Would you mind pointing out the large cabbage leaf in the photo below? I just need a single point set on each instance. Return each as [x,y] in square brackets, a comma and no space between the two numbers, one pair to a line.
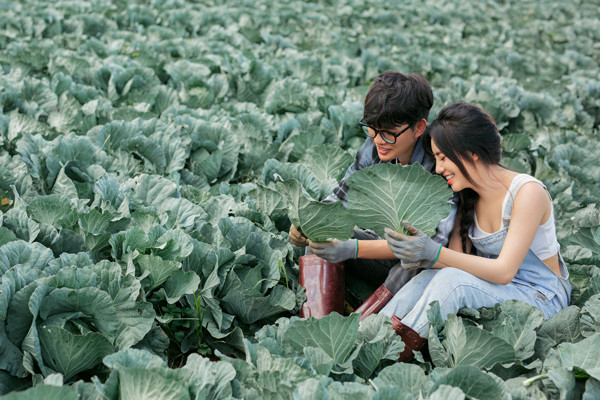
[318,221]
[326,161]
[384,195]
[334,334]
[582,356]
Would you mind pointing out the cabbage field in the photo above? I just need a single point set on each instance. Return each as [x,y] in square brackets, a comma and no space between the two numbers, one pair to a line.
[144,250]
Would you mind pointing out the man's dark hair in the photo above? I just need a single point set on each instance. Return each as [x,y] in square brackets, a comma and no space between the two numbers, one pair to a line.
[395,99]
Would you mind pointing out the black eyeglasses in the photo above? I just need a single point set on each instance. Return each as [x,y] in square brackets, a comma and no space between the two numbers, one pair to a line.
[387,136]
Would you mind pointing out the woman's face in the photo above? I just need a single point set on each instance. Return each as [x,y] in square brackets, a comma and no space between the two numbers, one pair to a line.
[449,170]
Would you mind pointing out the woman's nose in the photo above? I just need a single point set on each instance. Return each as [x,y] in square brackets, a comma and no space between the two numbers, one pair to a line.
[438,168]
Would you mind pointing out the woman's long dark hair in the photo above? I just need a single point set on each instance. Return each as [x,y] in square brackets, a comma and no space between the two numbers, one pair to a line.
[459,131]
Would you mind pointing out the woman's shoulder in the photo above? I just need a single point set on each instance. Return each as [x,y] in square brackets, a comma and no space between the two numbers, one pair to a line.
[526,191]
[520,180]
[530,191]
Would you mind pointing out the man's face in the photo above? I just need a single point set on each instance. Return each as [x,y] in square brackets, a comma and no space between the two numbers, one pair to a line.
[404,146]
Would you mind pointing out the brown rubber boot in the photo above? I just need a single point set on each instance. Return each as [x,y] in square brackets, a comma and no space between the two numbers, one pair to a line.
[325,285]
[412,340]
[375,302]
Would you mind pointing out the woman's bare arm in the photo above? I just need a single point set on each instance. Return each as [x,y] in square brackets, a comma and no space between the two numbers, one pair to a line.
[375,250]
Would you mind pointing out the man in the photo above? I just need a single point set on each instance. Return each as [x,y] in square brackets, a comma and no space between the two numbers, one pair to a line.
[394,119]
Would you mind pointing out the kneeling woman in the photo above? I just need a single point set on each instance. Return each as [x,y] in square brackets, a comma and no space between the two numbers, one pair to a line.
[504,242]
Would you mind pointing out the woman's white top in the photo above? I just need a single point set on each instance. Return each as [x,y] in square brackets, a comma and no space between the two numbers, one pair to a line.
[545,244]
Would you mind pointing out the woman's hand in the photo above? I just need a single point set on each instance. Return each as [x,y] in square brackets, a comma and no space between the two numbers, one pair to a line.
[413,249]
[335,250]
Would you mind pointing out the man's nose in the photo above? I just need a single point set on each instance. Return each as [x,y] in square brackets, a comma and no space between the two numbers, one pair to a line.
[378,139]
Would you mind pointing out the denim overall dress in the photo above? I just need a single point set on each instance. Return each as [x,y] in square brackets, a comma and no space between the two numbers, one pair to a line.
[534,283]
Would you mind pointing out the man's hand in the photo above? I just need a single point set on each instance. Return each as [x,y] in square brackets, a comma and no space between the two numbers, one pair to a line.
[297,237]
[335,250]
[412,249]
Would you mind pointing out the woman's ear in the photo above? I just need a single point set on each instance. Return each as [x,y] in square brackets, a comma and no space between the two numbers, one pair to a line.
[474,156]
[420,127]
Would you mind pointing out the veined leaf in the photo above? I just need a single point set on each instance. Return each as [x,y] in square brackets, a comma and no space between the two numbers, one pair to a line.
[46,392]
[409,378]
[318,221]
[133,358]
[514,142]
[274,169]
[94,303]
[64,186]
[590,316]
[156,270]
[288,94]
[19,222]
[326,161]
[141,383]
[445,392]
[473,346]
[564,326]
[152,189]
[267,200]
[179,284]
[583,356]
[20,123]
[302,142]
[384,195]
[6,235]
[518,327]
[53,210]
[173,245]
[588,238]
[321,362]
[475,383]
[244,299]
[68,353]
[333,333]
[214,377]
[19,252]
[94,222]
[378,346]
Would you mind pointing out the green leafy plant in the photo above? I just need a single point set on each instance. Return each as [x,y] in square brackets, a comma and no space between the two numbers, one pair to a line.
[318,221]
[140,143]
[384,195]
[380,196]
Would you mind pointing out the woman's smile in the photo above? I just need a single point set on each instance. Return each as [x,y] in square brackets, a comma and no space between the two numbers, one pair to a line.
[449,178]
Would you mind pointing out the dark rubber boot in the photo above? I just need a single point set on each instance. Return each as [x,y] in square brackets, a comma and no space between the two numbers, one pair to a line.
[375,302]
[324,283]
[412,340]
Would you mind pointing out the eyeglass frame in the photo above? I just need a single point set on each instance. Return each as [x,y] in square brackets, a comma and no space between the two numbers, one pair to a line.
[380,131]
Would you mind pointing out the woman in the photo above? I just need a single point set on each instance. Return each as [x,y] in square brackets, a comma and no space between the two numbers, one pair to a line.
[503,245]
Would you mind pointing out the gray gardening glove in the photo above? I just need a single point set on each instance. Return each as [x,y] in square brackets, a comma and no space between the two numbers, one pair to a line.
[412,249]
[398,277]
[422,264]
[335,250]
